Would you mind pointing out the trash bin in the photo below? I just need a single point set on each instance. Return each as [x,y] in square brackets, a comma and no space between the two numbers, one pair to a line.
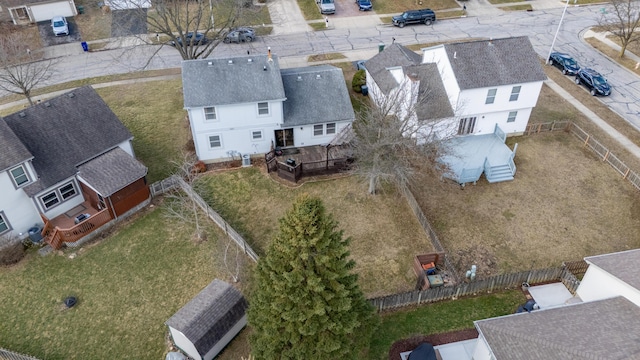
[80,9]
[365,90]
[85,46]
[380,47]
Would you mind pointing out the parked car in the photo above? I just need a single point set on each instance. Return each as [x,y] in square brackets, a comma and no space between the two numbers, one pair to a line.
[59,25]
[327,6]
[595,82]
[423,16]
[364,5]
[241,34]
[199,39]
[564,62]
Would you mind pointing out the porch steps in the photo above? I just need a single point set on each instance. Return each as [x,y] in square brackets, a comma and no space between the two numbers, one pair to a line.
[500,173]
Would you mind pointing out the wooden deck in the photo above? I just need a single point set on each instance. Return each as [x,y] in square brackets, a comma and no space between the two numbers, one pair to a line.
[67,220]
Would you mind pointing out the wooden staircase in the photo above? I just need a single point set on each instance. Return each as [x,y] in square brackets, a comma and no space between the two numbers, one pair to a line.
[499,173]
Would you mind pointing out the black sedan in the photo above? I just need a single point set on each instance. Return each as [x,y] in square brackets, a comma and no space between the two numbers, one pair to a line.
[564,62]
[191,38]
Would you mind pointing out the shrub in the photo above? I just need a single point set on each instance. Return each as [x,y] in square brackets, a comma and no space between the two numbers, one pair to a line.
[11,250]
[359,79]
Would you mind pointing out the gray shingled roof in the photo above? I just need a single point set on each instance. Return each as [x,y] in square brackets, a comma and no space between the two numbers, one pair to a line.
[623,265]
[13,150]
[66,131]
[223,83]
[434,103]
[394,55]
[209,315]
[496,62]
[111,171]
[315,94]
[605,329]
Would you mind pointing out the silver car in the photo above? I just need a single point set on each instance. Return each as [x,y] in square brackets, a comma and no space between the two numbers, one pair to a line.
[60,26]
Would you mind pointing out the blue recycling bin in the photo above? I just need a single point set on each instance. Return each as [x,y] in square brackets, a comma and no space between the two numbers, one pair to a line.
[85,46]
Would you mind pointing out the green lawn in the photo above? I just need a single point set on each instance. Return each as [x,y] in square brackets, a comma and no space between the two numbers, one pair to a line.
[128,285]
[310,10]
[439,318]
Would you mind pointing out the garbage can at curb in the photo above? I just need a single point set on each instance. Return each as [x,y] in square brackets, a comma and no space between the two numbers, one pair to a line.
[80,9]
[85,46]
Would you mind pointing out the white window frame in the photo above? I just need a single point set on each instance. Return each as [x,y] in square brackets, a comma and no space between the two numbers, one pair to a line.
[515,93]
[261,108]
[4,222]
[59,196]
[318,130]
[330,128]
[210,110]
[257,132]
[65,196]
[491,96]
[512,116]
[219,141]
[24,172]
[56,196]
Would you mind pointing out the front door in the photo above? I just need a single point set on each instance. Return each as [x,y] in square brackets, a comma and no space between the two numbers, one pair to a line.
[284,137]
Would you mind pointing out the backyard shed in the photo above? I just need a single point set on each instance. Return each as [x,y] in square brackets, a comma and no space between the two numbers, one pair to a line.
[207,323]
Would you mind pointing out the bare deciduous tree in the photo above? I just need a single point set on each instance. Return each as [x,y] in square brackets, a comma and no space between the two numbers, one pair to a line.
[622,21]
[231,256]
[21,71]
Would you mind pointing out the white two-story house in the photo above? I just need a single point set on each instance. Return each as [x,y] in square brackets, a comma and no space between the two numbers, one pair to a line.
[247,105]
[486,87]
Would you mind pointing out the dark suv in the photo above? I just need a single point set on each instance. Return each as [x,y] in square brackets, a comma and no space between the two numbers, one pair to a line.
[424,16]
[595,82]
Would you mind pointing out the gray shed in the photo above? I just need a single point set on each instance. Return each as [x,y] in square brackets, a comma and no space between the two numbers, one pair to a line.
[207,323]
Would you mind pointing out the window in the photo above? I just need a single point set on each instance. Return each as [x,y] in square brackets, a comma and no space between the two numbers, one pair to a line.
[210,114]
[512,116]
[263,108]
[215,141]
[466,126]
[326,129]
[50,200]
[318,130]
[19,176]
[331,128]
[256,135]
[491,96]
[4,224]
[515,92]
[67,191]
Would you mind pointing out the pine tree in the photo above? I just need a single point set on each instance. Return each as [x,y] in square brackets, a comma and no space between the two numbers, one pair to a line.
[307,303]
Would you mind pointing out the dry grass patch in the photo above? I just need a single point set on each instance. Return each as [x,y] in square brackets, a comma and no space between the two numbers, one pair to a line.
[94,24]
[325,57]
[385,234]
[614,54]
[398,6]
[522,7]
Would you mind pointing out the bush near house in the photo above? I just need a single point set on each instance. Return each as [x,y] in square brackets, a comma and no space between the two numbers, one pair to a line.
[359,79]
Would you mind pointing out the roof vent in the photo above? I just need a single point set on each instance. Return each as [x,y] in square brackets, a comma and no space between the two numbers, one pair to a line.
[47,104]
[71,95]
[455,54]
[210,63]
[318,76]
[22,114]
[249,60]
[230,62]
[299,78]
[264,68]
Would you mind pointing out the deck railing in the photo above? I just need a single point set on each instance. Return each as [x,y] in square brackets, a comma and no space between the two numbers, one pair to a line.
[55,236]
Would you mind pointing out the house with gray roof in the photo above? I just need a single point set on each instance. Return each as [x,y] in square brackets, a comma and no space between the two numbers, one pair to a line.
[484,88]
[247,105]
[609,275]
[208,322]
[22,12]
[65,157]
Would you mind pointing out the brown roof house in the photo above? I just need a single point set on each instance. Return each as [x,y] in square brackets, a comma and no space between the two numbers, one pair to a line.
[66,169]
[207,323]
[22,12]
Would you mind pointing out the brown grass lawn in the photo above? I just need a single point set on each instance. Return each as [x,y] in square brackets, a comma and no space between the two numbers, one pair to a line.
[398,6]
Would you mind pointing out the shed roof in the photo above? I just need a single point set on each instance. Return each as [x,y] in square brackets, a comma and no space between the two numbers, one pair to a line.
[111,171]
[623,265]
[237,80]
[315,94]
[393,56]
[605,329]
[496,62]
[66,131]
[209,315]
[13,150]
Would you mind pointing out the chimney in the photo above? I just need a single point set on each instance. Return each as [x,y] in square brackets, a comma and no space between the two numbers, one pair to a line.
[269,58]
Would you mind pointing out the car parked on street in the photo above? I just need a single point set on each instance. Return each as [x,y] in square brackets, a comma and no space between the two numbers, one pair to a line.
[564,62]
[241,34]
[60,26]
[423,16]
[594,81]
[364,5]
[197,38]
[327,7]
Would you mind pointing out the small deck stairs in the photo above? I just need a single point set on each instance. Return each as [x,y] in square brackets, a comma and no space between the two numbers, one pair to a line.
[500,173]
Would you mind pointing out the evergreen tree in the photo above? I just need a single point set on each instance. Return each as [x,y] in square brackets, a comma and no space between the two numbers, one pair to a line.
[307,303]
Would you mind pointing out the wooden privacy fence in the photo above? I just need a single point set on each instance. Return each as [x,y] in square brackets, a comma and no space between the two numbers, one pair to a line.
[494,283]
[10,355]
[174,181]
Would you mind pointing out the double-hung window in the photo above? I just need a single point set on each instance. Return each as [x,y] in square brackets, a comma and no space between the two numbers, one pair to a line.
[19,175]
[515,93]
[256,135]
[50,200]
[210,114]
[263,108]
[324,129]
[491,96]
[215,141]
[318,130]
[512,116]
[4,224]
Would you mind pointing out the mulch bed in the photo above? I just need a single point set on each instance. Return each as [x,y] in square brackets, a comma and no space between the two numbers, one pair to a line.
[409,344]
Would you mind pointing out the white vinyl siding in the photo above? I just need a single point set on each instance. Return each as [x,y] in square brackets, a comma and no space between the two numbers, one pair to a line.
[4,224]
[19,176]
[491,96]
[512,116]
[215,141]
[210,114]
[263,108]
[515,93]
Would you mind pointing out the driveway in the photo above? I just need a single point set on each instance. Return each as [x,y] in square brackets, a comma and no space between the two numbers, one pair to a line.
[349,8]
[128,22]
[48,39]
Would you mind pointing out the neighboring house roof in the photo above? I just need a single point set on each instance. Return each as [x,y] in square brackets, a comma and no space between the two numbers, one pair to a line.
[245,79]
[485,63]
[111,171]
[433,101]
[209,315]
[315,94]
[393,56]
[12,3]
[64,132]
[605,329]
[13,150]
[623,265]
